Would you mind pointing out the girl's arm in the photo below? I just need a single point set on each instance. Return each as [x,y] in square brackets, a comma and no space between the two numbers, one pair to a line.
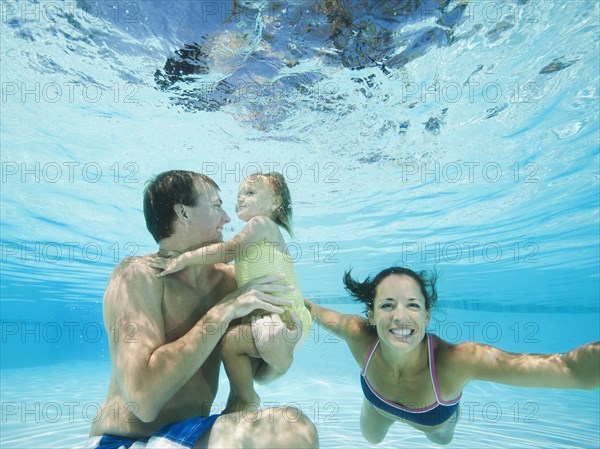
[256,229]
[579,368]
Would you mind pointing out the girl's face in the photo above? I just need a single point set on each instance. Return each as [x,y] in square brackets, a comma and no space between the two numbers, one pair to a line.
[399,312]
[255,198]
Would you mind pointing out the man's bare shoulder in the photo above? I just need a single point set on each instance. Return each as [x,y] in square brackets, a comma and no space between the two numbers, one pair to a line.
[134,281]
[135,268]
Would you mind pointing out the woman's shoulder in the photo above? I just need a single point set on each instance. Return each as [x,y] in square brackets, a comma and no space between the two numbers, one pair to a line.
[448,369]
[360,328]
[455,350]
[447,351]
[361,337]
[455,363]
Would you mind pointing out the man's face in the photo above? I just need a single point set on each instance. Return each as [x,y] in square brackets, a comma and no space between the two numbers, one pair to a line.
[207,218]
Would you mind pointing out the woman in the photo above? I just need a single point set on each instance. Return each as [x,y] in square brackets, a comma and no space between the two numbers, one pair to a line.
[410,376]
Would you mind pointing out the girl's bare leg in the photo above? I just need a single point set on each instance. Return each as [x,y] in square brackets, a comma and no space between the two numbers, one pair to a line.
[238,349]
[275,343]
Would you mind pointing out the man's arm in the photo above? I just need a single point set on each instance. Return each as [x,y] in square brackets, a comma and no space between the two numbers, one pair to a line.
[149,370]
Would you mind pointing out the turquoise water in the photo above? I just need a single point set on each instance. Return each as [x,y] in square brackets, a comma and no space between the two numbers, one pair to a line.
[52,406]
[461,139]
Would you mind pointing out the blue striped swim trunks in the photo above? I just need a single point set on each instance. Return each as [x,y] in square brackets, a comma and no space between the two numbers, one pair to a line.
[179,435]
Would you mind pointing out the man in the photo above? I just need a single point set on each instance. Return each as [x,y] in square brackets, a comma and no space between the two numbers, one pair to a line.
[164,336]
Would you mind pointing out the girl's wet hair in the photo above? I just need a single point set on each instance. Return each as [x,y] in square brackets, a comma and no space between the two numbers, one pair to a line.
[365,291]
[283,214]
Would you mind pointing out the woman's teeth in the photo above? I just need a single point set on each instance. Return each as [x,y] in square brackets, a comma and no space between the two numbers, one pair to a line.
[402,332]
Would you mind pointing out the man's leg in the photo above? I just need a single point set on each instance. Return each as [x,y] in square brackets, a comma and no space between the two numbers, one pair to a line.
[283,427]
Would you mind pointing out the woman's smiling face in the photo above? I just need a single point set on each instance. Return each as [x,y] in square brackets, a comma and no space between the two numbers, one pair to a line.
[399,312]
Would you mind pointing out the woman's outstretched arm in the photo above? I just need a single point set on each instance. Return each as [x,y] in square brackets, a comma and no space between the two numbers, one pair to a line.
[579,368]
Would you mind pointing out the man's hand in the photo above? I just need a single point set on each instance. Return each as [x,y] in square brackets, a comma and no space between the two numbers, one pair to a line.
[256,295]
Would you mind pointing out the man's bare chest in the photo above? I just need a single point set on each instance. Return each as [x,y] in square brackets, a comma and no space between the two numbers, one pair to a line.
[182,308]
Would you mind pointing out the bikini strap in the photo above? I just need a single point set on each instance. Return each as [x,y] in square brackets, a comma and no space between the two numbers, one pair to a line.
[369,355]
[432,374]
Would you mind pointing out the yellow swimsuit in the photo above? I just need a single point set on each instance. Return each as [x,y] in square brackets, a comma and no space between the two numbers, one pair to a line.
[260,259]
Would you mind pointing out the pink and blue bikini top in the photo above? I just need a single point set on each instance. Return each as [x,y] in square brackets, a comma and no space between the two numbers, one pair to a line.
[437,413]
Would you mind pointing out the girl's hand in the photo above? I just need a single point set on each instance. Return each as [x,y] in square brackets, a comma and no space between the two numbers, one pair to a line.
[171,264]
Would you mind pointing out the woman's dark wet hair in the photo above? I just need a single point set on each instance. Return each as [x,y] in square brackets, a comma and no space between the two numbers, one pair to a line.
[166,190]
[365,291]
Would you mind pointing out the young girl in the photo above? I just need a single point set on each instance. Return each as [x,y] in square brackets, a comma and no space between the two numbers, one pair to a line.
[259,249]
[410,376]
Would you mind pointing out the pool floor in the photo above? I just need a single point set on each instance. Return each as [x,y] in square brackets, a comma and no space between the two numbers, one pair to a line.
[53,406]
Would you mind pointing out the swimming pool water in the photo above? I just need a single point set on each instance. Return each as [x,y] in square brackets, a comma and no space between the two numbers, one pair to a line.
[52,406]
[461,140]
